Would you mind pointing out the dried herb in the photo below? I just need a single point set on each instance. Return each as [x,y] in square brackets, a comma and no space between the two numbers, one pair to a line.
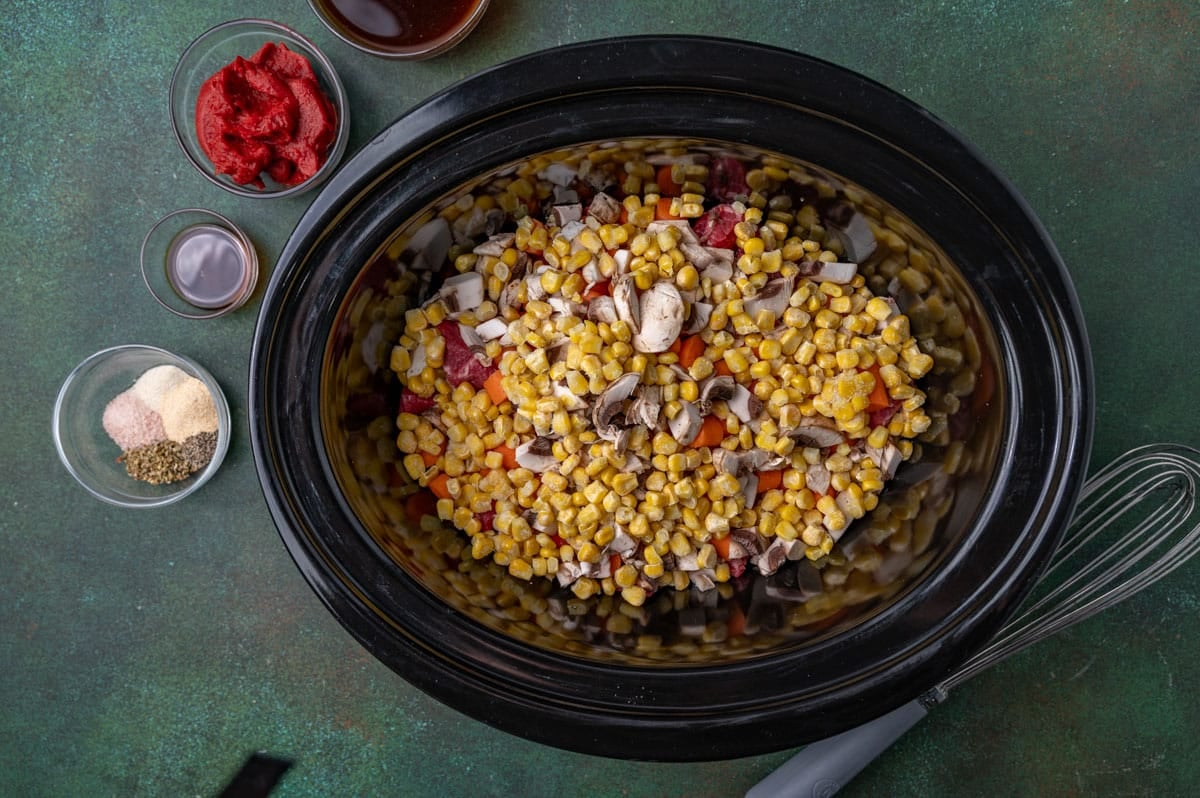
[158,463]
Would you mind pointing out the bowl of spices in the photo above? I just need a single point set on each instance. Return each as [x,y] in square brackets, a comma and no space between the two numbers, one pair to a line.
[198,264]
[403,30]
[258,109]
[139,426]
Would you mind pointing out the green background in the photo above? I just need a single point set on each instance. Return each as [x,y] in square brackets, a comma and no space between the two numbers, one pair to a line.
[149,652]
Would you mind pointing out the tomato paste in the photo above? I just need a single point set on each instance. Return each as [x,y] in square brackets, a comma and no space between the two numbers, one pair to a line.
[266,114]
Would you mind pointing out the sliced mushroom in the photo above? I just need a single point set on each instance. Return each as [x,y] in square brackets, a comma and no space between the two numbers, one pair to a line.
[748,539]
[888,459]
[857,239]
[749,485]
[417,365]
[744,404]
[774,296]
[661,312]
[698,318]
[623,543]
[492,329]
[720,266]
[604,208]
[569,400]
[536,455]
[726,462]
[495,245]
[462,292]
[602,309]
[571,231]
[608,406]
[648,406]
[686,425]
[715,389]
[621,260]
[625,300]
[816,478]
[835,272]
[774,556]
[560,215]
[703,580]
[559,173]
[429,246]
[814,434]
[568,572]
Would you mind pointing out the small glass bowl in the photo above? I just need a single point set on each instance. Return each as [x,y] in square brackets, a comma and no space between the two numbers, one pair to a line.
[417,52]
[156,269]
[213,50]
[86,449]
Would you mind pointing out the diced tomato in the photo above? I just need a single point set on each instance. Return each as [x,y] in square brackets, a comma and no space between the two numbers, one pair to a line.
[727,179]
[460,363]
[485,519]
[715,227]
[411,403]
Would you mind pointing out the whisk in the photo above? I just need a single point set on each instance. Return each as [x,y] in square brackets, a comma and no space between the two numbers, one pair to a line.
[1135,522]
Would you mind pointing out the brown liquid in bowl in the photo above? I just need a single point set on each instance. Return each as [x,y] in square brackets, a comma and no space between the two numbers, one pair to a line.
[397,24]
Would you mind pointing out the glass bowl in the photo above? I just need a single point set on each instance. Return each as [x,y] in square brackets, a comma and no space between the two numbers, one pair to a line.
[213,50]
[88,452]
[192,229]
[344,23]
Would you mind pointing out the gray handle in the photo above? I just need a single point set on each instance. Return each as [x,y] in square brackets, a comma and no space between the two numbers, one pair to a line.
[823,768]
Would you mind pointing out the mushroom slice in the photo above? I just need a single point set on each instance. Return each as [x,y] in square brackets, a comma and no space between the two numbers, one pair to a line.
[888,459]
[774,296]
[495,245]
[748,539]
[686,425]
[648,406]
[720,266]
[462,292]
[816,478]
[559,173]
[623,543]
[715,389]
[608,406]
[701,312]
[562,214]
[744,404]
[491,329]
[835,272]
[568,572]
[604,208]
[703,580]
[602,309]
[749,485]
[775,555]
[621,259]
[661,318]
[429,246]
[417,365]
[536,455]
[625,300]
[815,435]
[726,462]
[857,239]
[569,400]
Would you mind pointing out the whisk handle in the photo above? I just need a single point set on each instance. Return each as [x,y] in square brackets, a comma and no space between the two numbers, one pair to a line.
[823,768]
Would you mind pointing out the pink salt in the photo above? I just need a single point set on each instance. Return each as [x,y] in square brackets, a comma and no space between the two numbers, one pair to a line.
[131,423]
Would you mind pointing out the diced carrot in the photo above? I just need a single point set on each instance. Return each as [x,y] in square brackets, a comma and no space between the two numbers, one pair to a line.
[662,209]
[675,346]
[429,459]
[722,368]
[599,289]
[879,398]
[721,544]
[493,388]
[692,348]
[623,218]
[438,486]
[509,455]
[769,480]
[735,625]
[666,186]
[712,432]
[614,562]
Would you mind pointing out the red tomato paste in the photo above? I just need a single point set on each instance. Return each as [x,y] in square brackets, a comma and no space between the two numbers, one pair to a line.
[266,114]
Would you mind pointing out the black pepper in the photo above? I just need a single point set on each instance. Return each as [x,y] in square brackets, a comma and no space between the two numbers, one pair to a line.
[198,449]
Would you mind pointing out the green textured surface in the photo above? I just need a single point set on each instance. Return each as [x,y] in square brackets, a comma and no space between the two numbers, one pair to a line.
[147,653]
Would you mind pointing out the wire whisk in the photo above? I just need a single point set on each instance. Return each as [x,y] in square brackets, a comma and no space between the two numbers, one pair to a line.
[1136,521]
[1146,498]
